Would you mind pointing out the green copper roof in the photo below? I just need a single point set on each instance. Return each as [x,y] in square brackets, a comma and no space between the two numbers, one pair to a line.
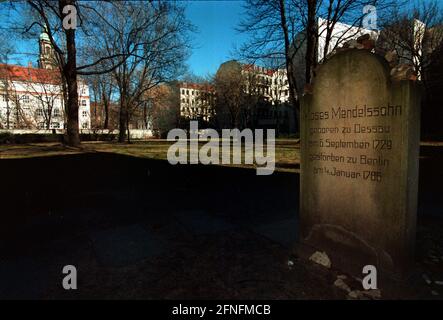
[44,36]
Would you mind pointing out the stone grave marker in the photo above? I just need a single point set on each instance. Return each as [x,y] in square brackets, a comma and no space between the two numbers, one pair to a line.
[359,165]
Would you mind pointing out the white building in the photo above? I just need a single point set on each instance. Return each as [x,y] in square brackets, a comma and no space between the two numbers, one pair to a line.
[341,33]
[273,87]
[271,84]
[196,101]
[32,98]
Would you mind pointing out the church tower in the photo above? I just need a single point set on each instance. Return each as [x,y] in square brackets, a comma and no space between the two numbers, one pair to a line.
[47,58]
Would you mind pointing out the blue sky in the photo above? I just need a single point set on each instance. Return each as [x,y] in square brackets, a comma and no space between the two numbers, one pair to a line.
[213,42]
[216,35]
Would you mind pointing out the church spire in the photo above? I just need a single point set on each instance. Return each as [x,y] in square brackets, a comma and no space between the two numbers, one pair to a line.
[47,54]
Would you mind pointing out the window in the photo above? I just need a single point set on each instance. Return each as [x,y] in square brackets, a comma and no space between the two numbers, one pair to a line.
[84,103]
[39,112]
[55,125]
[183,100]
[187,92]
[84,125]
[56,112]
[84,113]
[25,99]
[4,98]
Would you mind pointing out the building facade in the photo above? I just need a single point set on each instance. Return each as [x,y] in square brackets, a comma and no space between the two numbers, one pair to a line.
[341,33]
[196,101]
[273,108]
[32,98]
[272,84]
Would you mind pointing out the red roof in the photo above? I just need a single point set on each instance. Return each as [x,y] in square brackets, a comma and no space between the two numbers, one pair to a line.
[253,67]
[19,73]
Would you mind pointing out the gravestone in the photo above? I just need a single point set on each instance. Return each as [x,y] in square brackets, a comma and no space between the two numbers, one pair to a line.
[359,165]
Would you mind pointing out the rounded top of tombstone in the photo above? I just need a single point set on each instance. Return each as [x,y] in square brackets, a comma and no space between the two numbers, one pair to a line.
[351,67]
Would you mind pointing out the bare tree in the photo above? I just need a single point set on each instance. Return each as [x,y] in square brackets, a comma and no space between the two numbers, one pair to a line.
[49,15]
[46,98]
[164,108]
[103,90]
[7,93]
[161,38]
[273,27]
[6,49]
[414,34]
[278,29]
[16,102]
[230,88]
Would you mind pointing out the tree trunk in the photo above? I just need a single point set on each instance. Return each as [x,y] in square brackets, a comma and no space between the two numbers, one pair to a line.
[289,64]
[145,115]
[128,134]
[122,121]
[70,71]
[106,99]
[311,38]
[17,119]
[8,112]
[106,121]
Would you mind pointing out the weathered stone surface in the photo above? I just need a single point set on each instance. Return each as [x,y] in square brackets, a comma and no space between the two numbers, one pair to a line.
[355,295]
[339,283]
[352,44]
[392,58]
[362,42]
[321,258]
[364,38]
[359,164]
[403,72]
[364,295]
[368,44]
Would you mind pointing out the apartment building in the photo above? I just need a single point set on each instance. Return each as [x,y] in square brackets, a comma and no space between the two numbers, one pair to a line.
[32,98]
[196,101]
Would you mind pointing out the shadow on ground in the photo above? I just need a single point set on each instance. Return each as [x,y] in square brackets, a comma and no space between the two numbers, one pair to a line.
[138,228]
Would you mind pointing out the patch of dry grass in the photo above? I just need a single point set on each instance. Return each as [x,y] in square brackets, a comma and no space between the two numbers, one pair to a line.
[32,150]
[287,152]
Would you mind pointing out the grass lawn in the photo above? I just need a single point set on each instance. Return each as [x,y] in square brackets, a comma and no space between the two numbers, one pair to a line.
[287,151]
